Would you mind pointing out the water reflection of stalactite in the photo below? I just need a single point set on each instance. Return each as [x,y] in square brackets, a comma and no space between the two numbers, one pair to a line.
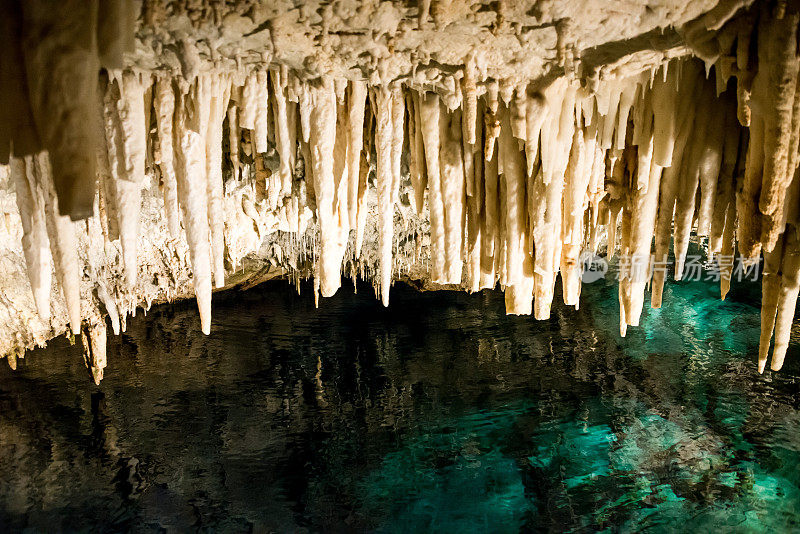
[319,386]
[128,481]
[300,400]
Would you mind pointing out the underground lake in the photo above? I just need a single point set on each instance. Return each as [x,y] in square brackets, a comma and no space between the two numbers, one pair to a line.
[440,413]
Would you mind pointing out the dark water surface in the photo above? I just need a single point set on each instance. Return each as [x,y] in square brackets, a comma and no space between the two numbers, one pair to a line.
[438,414]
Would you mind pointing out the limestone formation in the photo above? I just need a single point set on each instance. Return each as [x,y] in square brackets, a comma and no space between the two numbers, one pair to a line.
[207,135]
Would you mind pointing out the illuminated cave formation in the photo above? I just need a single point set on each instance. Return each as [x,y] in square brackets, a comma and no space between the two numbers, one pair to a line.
[157,150]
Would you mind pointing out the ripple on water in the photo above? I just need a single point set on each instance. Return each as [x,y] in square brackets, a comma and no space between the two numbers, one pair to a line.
[439,413]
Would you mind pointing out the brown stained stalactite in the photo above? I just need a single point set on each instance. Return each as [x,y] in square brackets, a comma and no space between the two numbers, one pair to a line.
[59,46]
[747,192]
[18,133]
[234,133]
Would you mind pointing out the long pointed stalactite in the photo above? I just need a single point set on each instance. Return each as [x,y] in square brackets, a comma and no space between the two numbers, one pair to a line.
[515,179]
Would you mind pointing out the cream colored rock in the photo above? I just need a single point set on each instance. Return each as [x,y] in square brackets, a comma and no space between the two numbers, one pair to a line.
[532,135]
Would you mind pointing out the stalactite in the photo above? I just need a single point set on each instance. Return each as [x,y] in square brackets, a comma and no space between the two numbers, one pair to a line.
[217,89]
[125,135]
[61,60]
[61,233]
[110,305]
[491,220]
[322,140]
[522,176]
[234,134]
[626,99]
[282,139]
[770,293]
[430,118]
[725,186]
[94,348]
[473,170]
[398,115]
[249,104]
[128,205]
[786,298]
[519,110]
[612,96]
[779,62]
[626,223]
[576,182]
[131,108]
[258,101]
[417,165]
[534,117]
[382,101]
[556,142]
[710,164]
[643,206]
[691,169]
[193,196]
[470,97]
[451,175]
[363,173]
[164,104]
[113,148]
[689,75]
[492,129]
[356,101]
[665,95]
[341,180]
[35,244]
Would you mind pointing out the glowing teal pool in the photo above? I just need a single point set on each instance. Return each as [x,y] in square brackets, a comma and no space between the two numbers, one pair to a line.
[439,414]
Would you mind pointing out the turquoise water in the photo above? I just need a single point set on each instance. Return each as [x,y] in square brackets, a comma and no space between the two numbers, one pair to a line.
[439,414]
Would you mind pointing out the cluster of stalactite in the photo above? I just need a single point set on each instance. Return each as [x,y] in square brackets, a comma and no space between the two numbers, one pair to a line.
[759,49]
[517,179]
